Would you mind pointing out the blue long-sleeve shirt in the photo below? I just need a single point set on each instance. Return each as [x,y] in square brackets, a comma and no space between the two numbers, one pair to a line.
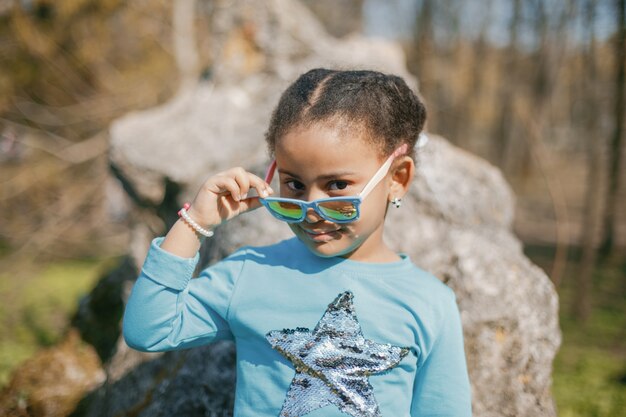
[314,336]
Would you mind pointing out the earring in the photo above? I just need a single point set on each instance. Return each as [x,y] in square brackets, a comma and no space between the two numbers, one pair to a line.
[396,202]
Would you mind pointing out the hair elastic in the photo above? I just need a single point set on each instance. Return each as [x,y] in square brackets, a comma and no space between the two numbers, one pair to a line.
[422,140]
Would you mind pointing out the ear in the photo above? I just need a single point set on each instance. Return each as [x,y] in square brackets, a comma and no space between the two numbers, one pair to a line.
[402,172]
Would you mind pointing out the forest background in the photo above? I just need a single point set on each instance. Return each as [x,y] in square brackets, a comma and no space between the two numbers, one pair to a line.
[536,87]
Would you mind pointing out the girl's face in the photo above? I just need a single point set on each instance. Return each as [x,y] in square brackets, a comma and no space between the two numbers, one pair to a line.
[322,161]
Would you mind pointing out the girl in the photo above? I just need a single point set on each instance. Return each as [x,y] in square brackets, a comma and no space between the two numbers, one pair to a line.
[331,322]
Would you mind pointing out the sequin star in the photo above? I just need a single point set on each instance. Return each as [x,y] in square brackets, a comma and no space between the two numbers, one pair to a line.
[333,363]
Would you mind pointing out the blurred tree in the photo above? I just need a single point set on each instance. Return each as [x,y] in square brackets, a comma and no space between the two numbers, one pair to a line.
[340,17]
[424,43]
[505,124]
[616,148]
[581,307]
[183,39]
[69,67]
[481,49]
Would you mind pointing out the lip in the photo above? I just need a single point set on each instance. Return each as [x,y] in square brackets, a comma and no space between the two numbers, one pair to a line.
[321,235]
[320,232]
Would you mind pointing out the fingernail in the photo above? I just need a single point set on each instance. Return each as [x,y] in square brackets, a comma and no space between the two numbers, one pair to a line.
[243,197]
[271,190]
[263,193]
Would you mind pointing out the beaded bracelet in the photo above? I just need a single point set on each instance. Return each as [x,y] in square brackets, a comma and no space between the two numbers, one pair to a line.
[191,222]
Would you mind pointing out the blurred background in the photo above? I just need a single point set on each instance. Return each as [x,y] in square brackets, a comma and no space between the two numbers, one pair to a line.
[536,87]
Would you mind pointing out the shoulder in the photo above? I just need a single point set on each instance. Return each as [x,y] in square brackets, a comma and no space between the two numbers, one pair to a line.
[277,253]
[243,261]
[430,298]
[434,305]
[283,249]
[428,286]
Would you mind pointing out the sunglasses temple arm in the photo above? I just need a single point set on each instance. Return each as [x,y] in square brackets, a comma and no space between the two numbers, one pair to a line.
[270,172]
[380,174]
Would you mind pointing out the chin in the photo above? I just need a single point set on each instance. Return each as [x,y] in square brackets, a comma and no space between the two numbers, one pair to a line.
[324,251]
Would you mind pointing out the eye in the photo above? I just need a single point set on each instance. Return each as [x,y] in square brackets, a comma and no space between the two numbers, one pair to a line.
[294,185]
[338,185]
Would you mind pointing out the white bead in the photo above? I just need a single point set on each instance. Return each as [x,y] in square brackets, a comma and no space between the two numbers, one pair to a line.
[195,226]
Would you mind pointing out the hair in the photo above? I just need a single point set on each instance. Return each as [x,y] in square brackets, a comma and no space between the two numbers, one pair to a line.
[380,106]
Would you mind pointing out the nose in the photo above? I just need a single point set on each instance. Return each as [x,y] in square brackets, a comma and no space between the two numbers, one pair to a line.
[312,216]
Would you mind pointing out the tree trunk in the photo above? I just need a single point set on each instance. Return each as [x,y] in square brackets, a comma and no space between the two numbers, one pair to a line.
[184,41]
[423,35]
[505,122]
[615,150]
[583,299]
[550,57]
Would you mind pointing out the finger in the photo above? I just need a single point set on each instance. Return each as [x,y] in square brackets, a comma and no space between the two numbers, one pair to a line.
[224,183]
[243,180]
[249,204]
[263,189]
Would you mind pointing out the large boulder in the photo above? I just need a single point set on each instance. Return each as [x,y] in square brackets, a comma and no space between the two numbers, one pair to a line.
[455,222]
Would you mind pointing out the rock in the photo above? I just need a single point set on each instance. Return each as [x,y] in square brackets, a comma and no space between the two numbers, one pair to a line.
[99,313]
[189,383]
[455,222]
[51,383]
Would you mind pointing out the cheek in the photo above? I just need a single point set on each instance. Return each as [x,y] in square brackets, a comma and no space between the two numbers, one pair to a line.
[371,217]
[373,208]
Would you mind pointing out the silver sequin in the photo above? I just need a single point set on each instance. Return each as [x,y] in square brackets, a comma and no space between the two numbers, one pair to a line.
[333,363]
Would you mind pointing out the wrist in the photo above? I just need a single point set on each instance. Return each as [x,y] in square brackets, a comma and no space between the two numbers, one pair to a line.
[189,220]
[189,229]
[203,221]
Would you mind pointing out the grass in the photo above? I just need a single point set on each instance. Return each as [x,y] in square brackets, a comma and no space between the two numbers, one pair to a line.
[36,304]
[590,368]
[586,383]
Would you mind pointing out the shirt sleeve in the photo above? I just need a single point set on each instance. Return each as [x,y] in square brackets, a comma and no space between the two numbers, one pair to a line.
[442,385]
[169,310]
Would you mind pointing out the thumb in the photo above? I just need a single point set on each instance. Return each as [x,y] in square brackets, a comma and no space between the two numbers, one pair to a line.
[249,204]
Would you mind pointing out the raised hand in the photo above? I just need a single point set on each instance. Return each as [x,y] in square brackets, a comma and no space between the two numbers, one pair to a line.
[221,197]
[225,195]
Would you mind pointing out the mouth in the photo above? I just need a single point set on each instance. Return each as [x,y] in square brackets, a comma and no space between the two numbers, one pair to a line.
[321,235]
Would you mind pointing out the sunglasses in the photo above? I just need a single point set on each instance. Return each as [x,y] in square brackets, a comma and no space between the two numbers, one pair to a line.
[334,209]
